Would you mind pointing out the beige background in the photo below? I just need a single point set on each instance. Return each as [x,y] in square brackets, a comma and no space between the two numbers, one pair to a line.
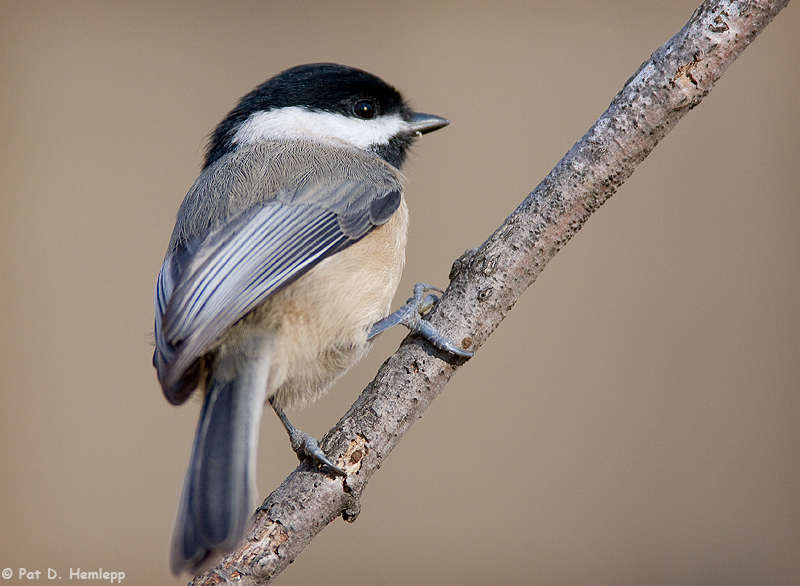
[636,419]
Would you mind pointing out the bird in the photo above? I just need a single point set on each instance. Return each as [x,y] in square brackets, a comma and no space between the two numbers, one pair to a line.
[280,271]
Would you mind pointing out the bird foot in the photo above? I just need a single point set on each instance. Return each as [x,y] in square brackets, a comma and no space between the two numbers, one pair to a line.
[410,315]
[303,444]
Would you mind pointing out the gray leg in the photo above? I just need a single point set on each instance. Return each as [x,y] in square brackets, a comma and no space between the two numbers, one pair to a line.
[303,444]
[409,316]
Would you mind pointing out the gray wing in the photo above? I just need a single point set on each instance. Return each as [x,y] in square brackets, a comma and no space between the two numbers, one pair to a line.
[210,282]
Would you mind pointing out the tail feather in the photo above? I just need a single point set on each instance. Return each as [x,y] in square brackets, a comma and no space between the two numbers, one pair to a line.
[219,490]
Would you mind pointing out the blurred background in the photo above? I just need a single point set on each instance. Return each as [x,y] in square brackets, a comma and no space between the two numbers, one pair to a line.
[635,420]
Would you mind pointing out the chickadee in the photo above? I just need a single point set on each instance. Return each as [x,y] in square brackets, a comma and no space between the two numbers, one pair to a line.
[286,251]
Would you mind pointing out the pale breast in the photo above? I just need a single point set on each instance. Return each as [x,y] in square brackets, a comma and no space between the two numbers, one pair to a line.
[323,318]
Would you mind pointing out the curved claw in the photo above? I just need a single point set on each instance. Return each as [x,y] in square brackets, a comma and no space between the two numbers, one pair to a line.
[303,444]
[442,342]
[428,303]
[409,316]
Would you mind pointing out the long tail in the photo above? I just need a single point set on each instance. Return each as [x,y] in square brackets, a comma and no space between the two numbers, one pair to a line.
[219,490]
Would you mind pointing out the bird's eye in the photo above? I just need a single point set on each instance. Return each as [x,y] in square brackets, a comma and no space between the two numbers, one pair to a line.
[365,109]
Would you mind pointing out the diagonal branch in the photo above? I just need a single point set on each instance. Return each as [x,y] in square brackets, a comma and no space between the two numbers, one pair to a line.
[486,283]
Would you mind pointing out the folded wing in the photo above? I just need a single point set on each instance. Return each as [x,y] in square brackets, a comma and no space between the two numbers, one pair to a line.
[211,281]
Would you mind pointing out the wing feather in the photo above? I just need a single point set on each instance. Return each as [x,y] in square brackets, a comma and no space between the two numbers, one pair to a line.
[213,277]
[248,261]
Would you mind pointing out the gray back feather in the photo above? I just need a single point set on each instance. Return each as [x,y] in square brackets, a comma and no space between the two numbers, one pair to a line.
[252,223]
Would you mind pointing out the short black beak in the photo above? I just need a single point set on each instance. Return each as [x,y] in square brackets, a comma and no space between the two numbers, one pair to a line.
[424,123]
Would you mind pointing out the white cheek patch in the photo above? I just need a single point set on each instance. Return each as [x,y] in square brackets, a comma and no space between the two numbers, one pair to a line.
[295,122]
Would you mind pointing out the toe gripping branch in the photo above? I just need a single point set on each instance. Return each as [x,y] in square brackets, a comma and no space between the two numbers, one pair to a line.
[410,315]
[303,444]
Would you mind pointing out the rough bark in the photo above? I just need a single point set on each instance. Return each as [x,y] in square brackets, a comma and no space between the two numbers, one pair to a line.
[485,283]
